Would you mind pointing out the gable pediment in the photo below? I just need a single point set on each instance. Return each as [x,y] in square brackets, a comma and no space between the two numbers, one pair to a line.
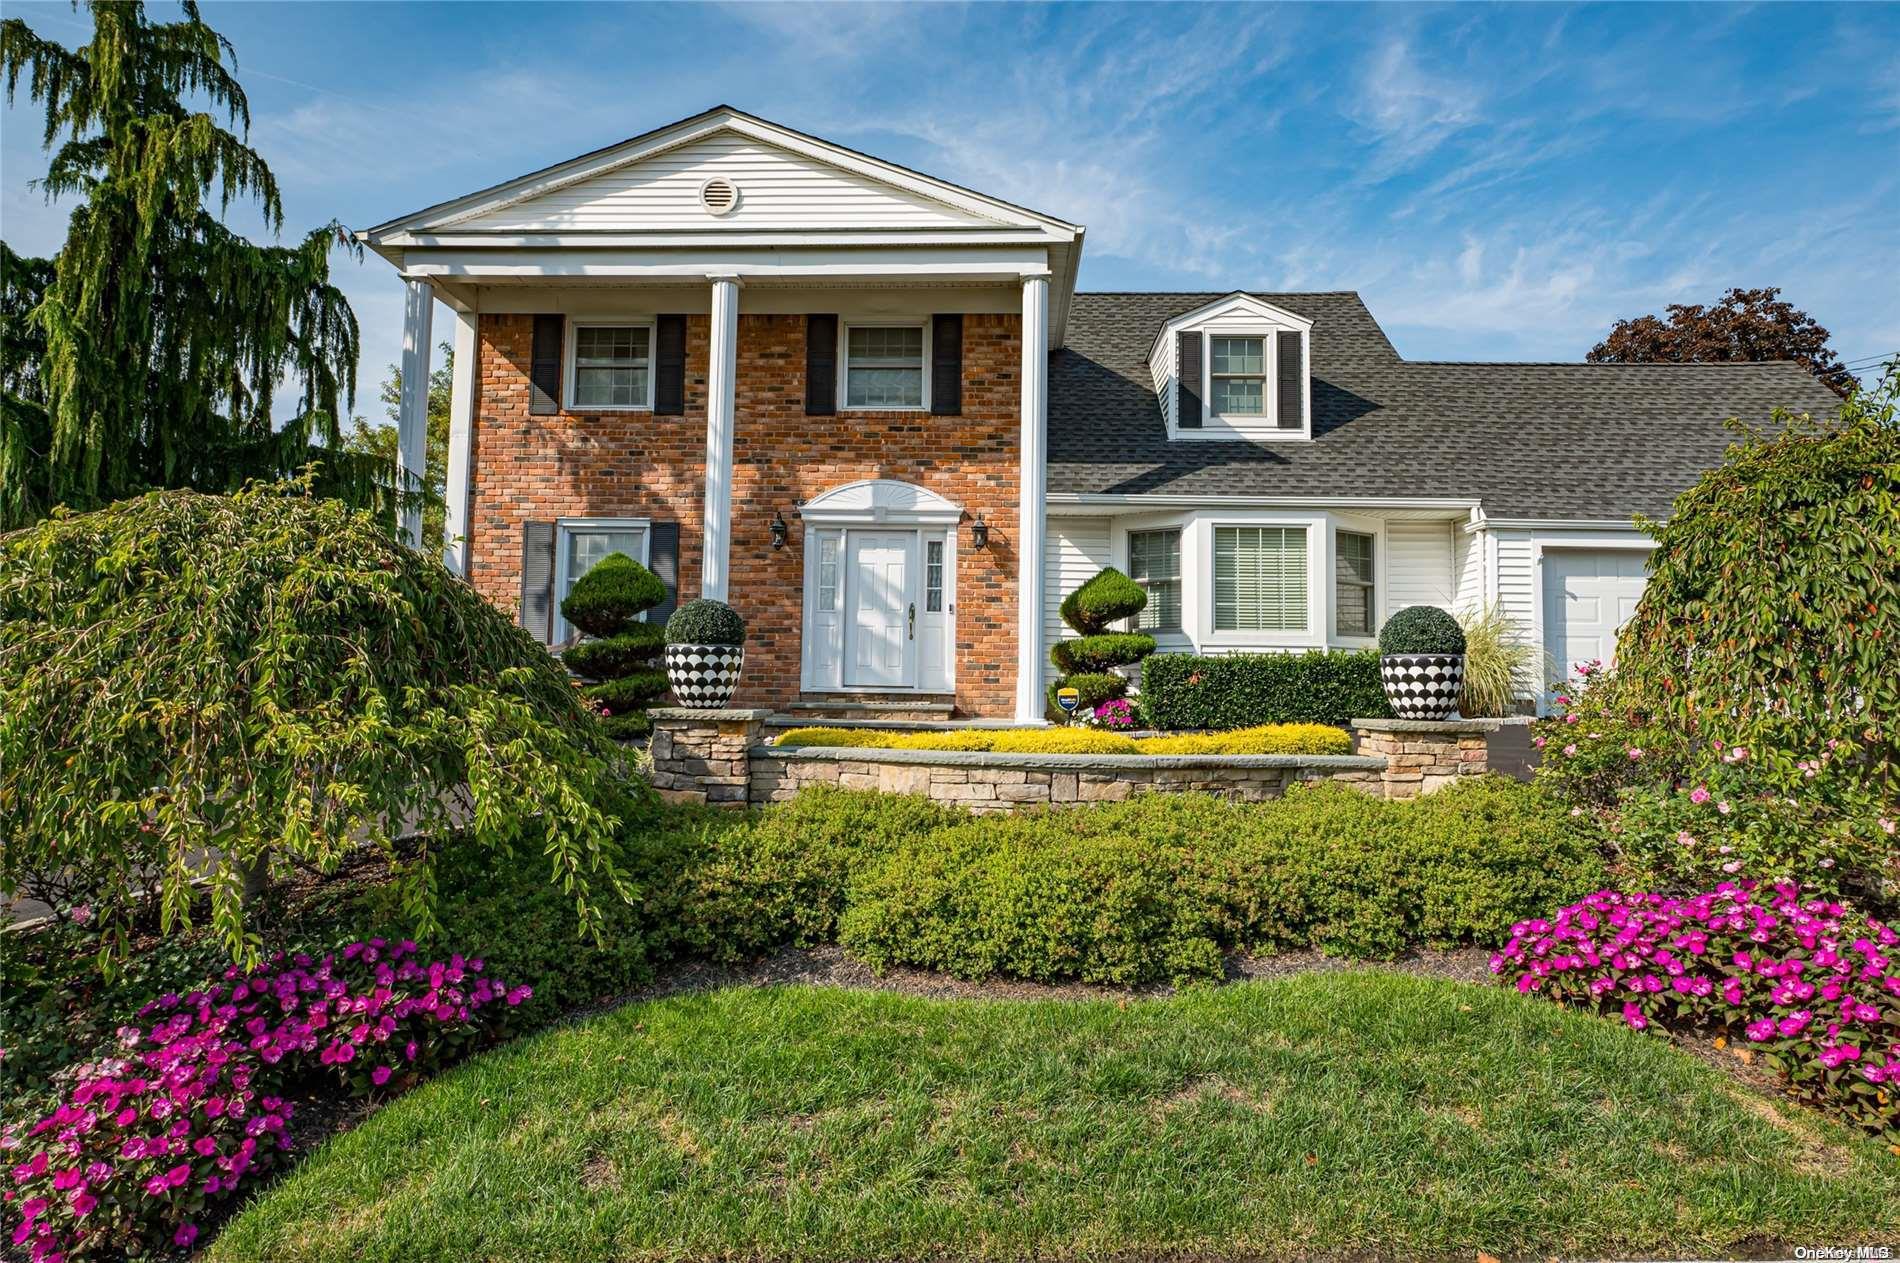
[772,188]
[762,177]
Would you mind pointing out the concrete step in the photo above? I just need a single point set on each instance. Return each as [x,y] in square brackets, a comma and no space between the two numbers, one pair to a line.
[925,709]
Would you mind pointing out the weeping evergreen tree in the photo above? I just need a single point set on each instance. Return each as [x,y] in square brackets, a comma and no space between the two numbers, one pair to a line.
[159,335]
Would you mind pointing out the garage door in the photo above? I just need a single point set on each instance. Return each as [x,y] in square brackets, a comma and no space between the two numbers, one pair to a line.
[1588,596]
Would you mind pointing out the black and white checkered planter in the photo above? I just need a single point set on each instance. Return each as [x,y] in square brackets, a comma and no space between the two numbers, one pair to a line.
[704,676]
[1422,685]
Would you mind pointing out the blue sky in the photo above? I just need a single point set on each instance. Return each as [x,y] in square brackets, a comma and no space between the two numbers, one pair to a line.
[1500,183]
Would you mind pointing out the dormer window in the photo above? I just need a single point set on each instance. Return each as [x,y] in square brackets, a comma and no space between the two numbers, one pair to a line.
[1239,371]
[1235,369]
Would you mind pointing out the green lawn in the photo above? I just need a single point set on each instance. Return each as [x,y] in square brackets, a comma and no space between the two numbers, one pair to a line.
[1330,1113]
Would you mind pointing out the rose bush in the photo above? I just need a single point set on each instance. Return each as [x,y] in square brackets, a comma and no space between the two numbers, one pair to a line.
[1812,988]
[1684,816]
[147,1141]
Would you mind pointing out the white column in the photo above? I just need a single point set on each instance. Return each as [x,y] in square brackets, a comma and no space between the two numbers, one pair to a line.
[1032,514]
[721,383]
[412,414]
[461,430]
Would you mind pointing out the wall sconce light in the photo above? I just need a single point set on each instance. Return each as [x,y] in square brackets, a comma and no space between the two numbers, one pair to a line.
[980,533]
[779,530]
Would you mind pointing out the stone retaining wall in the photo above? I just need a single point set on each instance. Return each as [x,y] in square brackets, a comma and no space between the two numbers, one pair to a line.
[720,757]
[986,782]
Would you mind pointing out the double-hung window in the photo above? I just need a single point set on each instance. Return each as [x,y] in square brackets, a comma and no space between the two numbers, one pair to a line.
[1237,370]
[1154,561]
[584,545]
[613,367]
[1352,579]
[884,366]
[1260,578]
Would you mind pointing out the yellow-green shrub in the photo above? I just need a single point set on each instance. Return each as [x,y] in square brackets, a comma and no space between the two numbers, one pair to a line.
[1265,739]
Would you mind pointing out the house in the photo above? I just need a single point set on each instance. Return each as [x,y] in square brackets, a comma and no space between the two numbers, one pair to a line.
[867,408]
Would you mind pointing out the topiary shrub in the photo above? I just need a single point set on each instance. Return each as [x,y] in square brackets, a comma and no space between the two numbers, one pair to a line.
[705,622]
[1095,654]
[1095,688]
[1086,662]
[1421,629]
[197,692]
[606,603]
[1187,691]
[1107,598]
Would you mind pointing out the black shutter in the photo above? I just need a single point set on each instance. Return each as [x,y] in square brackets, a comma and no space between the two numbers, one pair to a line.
[1187,378]
[544,374]
[663,559]
[946,366]
[1292,382]
[537,578]
[669,367]
[821,366]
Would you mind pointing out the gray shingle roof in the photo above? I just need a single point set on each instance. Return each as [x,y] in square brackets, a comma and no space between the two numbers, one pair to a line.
[1597,441]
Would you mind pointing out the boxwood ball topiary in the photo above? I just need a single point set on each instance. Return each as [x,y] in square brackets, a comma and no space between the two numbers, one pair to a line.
[1421,629]
[615,592]
[1109,596]
[705,622]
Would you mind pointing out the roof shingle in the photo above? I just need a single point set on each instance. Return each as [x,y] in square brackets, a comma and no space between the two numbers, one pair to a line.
[1546,441]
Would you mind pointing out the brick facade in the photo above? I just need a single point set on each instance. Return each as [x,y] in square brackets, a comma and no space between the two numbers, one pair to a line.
[636,464]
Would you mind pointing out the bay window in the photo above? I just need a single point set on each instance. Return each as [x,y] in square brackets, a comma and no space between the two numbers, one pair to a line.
[1260,578]
[1154,561]
[1352,579]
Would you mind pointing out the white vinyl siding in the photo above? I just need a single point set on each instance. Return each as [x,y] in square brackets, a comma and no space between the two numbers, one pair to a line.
[1467,568]
[1078,548]
[1418,568]
[1260,578]
[777,189]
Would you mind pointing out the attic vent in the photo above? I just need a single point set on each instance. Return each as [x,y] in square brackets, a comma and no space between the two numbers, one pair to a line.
[718,196]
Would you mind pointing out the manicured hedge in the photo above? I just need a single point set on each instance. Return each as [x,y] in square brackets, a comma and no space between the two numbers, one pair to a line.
[1161,887]
[1100,652]
[1187,691]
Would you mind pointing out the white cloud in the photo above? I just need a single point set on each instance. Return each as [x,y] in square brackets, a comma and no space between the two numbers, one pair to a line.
[1408,111]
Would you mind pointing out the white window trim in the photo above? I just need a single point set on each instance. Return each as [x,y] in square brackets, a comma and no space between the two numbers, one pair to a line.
[1269,394]
[1318,592]
[1162,635]
[564,528]
[1375,598]
[572,350]
[844,363]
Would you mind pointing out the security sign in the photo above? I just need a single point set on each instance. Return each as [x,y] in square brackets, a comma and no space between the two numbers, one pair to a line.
[1068,700]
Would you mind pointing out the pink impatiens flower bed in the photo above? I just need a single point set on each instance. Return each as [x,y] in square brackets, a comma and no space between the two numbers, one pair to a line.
[1814,990]
[195,1106]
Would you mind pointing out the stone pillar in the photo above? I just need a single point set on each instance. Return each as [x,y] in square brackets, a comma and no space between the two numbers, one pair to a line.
[1422,755]
[704,756]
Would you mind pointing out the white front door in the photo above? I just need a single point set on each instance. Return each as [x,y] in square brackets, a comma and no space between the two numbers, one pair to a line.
[1588,596]
[882,628]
